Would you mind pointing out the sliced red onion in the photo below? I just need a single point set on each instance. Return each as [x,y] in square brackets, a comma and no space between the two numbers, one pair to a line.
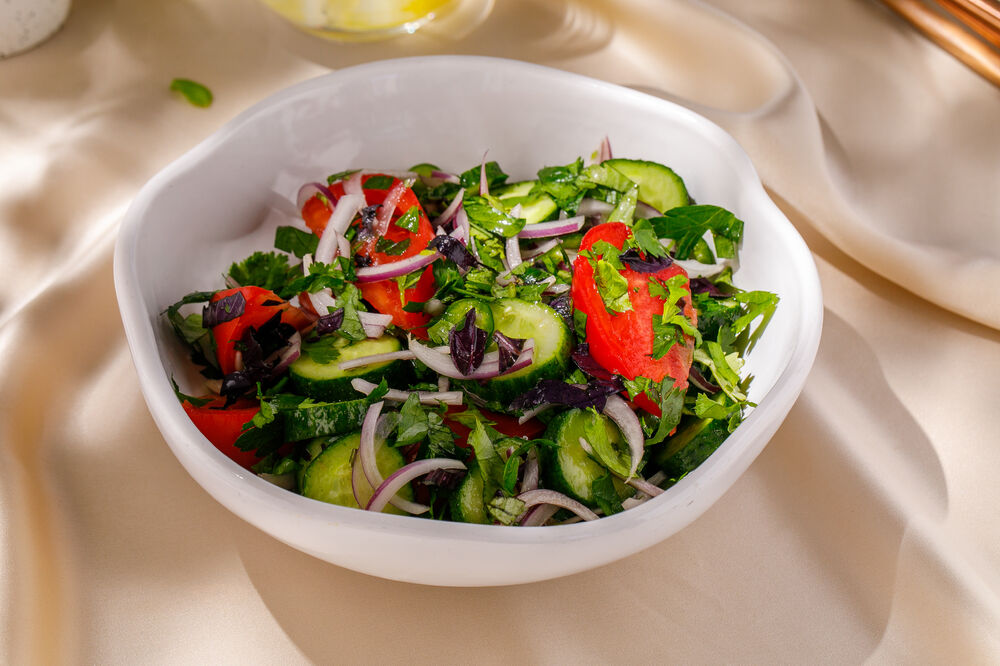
[289,354]
[445,176]
[604,152]
[490,367]
[401,175]
[644,486]
[539,249]
[618,411]
[353,184]
[232,283]
[484,186]
[555,228]
[530,479]
[366,451]
[533,497]
[443,384]
[513,252]
[451,211]
[374,323]
[462,222]
[533,412]
[309,190]
[425,397]
[387,490]
[658,478]
[396,268]
[384,216]
[632,502]
[323,302]
[339,221]
[538,515]
[362,361]
[589,207]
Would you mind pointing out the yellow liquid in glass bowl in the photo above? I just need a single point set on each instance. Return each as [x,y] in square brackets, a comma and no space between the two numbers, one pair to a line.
[358,19]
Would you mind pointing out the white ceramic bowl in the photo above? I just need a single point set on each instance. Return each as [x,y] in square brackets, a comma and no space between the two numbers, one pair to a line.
[222,200]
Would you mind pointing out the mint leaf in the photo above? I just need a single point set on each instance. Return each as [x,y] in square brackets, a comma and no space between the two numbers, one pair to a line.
[194,92]
[686,225]
[295,241]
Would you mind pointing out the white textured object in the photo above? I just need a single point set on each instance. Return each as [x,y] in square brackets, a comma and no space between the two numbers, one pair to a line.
[447,110]
[25,23]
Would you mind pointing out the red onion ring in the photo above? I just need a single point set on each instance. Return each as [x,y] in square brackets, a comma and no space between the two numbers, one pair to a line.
[309,190]
[538,515]
[533,497]
[387,490]
[353,184]
[374,323]
[540,249]
[484,186]
[555,228]
[448,214]
[426,397]
[489,368]
[366,452]
[644,486]
[392,198]
[530,479]
[362,361]
[513,252]
[604,151]
[618,411]
[589,207]
[396,268]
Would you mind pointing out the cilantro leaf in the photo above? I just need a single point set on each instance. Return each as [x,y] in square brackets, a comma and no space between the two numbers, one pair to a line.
[295,241]
[686,225]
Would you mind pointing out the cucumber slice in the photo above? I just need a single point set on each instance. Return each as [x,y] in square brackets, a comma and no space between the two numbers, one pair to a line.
[658,185]
[553,342]
[327,382]
[328,477]
[455,315]
[323,419]
[568,468]
[535,208]
[695,440]
[467,503]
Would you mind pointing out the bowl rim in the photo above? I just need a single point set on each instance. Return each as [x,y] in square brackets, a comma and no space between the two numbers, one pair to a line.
[179,431]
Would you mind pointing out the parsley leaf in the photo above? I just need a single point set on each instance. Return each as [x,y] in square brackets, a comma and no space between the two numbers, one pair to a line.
[645,238]
[686,225]
[295,241]
[612,286]
[268,270]
[410,220]
[671,407]
[193,92]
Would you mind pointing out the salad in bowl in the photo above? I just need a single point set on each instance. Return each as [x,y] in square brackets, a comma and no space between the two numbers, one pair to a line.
[469,347]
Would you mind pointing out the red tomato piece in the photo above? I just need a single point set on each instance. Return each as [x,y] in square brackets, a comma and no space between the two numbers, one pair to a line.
[506,425]
[261,305]
[222,427]
[622,343]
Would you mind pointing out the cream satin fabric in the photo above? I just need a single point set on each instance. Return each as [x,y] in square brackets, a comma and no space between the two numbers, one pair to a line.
[866,531]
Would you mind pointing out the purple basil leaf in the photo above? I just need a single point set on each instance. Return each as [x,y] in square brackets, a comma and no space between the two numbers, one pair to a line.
[329,323]
[632,259]
[700,285]
[699,380]
[509,349]
[453,250]
[223,310]
[552,391]
[255,347]
[564,308]
[448,479]
[368,215]
[587,363]
[468,344]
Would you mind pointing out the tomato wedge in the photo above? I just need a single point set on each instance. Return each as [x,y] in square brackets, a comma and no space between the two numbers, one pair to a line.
[384,295]
[222,427]
[622,343]
[261,305]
